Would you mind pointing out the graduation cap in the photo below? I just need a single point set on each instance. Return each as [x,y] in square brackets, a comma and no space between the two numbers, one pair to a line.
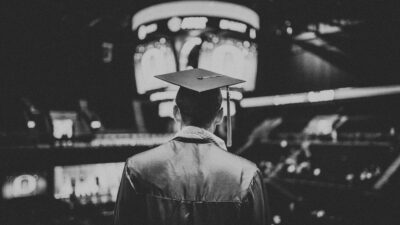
[200,80]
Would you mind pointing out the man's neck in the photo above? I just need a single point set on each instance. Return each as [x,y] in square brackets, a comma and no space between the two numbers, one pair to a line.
[210,129]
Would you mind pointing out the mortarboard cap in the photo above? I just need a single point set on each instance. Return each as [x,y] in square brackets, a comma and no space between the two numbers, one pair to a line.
[201,80]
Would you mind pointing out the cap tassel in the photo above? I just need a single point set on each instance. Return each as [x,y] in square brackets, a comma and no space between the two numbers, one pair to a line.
[229,121]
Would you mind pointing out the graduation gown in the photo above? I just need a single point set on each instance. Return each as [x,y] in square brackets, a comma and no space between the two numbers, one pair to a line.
[192,179]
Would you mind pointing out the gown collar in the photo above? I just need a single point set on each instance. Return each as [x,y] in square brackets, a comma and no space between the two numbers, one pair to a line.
[192,132]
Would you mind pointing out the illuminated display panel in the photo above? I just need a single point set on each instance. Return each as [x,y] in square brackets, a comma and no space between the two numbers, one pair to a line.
[24,185]
[150,59]
[187,23]
[231,57]
[63,123]
[95,183]
[199,8]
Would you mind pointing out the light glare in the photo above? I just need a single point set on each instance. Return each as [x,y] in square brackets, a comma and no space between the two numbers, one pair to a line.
[194,23]
[232,25]
[31,124]
[95,124]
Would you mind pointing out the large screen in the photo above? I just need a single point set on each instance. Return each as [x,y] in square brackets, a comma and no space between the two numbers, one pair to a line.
[231,57]
[150,59]
[95,183]
[24,185]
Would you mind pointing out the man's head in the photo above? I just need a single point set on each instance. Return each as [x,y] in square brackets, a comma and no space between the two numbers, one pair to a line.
[198,109]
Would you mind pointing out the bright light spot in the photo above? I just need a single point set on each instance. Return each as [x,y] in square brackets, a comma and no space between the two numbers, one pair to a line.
[289,30]
[317,172]
[63,127]
[232,25]
[257,102]
[253,33]
[325,126]
[291,168]
[174,24]
[194,23]
[163,40]
[144,30]
[95,124]
[327,95]
[284,144]
[160,96]
[321,125]
[349,176]
[31,124]
[104,198]
[320,213]
[288,99]
[94,199]
[290,161]
[368,175]
[234,95]
[305,36]
[363,176]
[23,185]
[142,33]
[334,135]
[291,206]
[165,109]
[277,219]
[215,39]
[151,28]
[328,29]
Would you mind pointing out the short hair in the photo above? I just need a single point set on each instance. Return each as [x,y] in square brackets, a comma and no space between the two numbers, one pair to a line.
[198,108]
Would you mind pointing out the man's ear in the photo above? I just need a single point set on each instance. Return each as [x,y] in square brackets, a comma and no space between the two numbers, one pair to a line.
[220,116]
[177,114]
